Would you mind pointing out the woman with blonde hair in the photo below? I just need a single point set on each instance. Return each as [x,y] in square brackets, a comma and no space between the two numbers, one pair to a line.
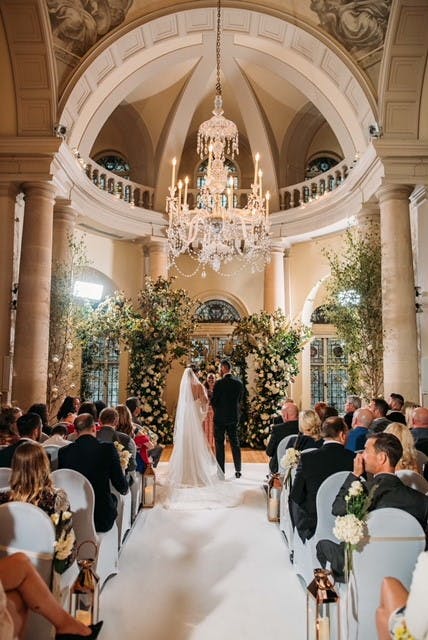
[309,431]
[409,459]
[30,481]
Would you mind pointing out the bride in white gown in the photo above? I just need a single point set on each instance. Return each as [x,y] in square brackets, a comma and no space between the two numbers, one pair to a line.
[194,479]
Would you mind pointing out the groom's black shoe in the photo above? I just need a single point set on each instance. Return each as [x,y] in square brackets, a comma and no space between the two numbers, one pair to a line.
[238,474]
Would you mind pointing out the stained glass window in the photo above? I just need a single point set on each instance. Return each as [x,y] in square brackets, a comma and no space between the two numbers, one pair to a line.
[319,165]
[217,311]
[116,164]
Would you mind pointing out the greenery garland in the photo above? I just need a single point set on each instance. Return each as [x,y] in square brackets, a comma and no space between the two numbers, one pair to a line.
[275,344]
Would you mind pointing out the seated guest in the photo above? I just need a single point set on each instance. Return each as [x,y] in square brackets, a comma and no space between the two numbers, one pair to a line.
[352,404]
[42,410]
[21,590]
[30,481]
[314,467]
[84,408]
[395,414]
[67,412]
[309,436]
[156,447]
[8,429]
[290,426]
[409,459]
[99,406]
[99,463]
[58,437]
[379,408]
[361,423]
[380,457]
[108,420]
[402,609]
[29,428]
[420,423]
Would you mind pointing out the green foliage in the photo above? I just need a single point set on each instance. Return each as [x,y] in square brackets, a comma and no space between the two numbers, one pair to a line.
[355,307]
[64,322]
[155,331]
[275,344]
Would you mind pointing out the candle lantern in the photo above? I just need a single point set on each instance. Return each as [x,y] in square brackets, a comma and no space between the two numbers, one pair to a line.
[274,497]
[85,591]
[322,607]
[149,486]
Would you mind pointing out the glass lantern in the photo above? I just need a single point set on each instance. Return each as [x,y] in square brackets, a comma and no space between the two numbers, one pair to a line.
[322,607]
[274,497]
[149,487]
[85,593]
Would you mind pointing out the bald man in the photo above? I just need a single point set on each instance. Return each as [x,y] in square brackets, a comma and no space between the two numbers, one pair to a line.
[361,423]
[420,423]
[290,426]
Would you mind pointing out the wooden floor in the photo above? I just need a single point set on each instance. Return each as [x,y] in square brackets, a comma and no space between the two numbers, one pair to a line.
[248,455]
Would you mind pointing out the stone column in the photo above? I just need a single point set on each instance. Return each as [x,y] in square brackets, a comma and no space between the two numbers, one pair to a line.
[8,193]
[64,222]
[158,257]
[274,288]
[400,359]
[32,321]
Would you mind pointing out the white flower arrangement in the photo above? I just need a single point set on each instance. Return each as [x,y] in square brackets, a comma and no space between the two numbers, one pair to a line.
[291,458]
[348,529]
[65,540]
[124,455]
[64,545]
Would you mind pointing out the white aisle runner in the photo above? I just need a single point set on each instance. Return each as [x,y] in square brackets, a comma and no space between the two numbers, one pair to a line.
[205,575]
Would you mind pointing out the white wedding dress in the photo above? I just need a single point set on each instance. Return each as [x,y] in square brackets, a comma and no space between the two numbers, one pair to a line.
[194,479]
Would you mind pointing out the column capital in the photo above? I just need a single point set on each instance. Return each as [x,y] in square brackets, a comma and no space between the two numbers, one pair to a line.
[63,211]
[394,192]
[45,190]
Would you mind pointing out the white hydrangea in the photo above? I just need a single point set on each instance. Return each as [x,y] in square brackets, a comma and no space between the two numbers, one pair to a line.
[348,529]
[355,489]
[290,458]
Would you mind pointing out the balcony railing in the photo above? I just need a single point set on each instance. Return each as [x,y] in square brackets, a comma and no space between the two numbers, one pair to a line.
[297,195]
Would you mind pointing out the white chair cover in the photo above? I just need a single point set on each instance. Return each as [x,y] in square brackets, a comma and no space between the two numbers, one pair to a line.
[413,480]
[395,539]
[124,514]
[4,477]
[82,499]
[136,493]
[19,521]
[52,451]
[305,557]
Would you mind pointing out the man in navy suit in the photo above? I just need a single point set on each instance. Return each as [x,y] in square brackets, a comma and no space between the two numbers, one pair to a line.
[314,467]
[99,463]
[226,400]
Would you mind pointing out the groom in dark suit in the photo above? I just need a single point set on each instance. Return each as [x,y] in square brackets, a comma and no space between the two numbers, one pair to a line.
[226,400]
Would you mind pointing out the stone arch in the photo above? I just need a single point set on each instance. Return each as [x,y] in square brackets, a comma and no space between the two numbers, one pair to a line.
[291,51]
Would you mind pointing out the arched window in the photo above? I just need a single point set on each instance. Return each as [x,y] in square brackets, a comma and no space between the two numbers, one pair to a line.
[319,165]
[115,163]
[217,311]
[232,172]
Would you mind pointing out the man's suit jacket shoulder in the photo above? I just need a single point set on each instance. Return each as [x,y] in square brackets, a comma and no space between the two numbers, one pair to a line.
[6,454]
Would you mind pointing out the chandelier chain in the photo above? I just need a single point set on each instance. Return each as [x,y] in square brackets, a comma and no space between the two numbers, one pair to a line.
[218,49]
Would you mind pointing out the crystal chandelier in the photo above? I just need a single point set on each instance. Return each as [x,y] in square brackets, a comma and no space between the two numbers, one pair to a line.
[215,231]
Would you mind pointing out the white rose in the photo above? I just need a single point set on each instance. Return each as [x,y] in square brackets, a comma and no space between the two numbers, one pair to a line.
[355,489]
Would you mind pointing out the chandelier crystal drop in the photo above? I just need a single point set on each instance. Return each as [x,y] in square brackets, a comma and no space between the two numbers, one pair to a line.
[216,231]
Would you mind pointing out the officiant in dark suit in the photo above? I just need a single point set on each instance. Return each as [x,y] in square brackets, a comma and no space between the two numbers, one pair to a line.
[226,402]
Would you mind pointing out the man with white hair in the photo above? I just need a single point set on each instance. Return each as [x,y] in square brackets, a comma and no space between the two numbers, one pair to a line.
[352,404]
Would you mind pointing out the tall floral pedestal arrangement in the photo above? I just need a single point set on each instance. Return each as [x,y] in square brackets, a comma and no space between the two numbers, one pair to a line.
[155,331]
[274,342]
